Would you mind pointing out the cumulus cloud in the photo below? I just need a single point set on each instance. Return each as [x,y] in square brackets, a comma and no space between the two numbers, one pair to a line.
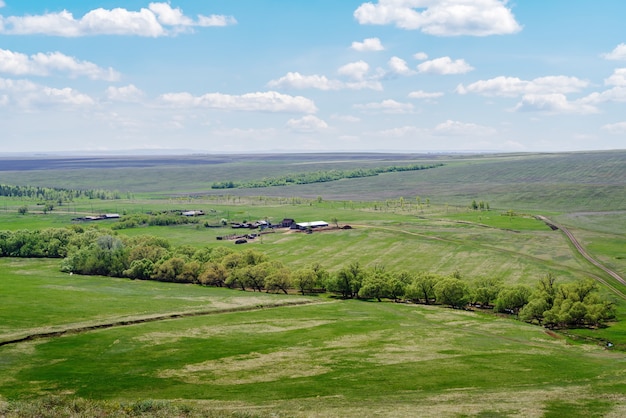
[555,103]
[513,86]
[615,94]
[441,18]
[159,19]
[445,66]
[269,101]
[307,124]
[420,94]
[53,62]
[295,80]
[615,128]
[128,93]
[618,54]
[28,95]
[368,44]
[386,106]
[421,56]
[356,70]
[456,128]
[618,78]
[399,66]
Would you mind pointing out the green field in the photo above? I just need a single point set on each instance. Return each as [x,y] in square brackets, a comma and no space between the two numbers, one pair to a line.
[339,358]
[228,351]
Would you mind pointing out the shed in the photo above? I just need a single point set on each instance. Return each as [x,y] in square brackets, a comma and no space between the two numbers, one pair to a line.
[312,225]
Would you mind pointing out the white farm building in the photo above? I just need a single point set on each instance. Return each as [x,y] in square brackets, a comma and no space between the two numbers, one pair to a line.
[312,225]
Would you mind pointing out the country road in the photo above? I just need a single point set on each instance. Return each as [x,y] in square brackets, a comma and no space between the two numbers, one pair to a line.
[581,250]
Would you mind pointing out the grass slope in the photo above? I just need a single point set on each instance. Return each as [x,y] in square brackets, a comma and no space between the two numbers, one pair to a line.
[344,358]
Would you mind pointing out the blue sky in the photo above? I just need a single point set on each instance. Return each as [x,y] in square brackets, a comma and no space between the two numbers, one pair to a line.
[224,76]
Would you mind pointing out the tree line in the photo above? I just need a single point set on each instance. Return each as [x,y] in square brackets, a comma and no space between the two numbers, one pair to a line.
[94,251]
[318,176]
[55,194]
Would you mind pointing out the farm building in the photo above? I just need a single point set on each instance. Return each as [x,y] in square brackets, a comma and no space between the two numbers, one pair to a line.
[312,225]
[287,222]
[193,213]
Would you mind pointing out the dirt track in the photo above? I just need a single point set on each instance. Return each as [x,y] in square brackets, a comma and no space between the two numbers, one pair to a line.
[586,255]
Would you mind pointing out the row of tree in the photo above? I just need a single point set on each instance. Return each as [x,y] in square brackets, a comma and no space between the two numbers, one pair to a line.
[55,194]
[318,176]
[94,251]
[164,218]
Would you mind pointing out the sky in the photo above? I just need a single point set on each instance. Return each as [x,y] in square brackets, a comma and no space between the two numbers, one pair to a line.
[237,76]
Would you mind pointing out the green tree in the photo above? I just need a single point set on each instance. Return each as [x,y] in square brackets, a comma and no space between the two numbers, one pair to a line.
[140,269]
[305,280]
[168,270]
[347,281]
[511,300]
[486,290]
[534,310]
[422,288]
[213,274]
[375,284]
[453,292]
[279,279]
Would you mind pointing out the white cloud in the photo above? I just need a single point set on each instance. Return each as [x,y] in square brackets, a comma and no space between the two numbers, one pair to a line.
[168,16]
[615,128]
[618,54]
[307,124]
[216,20]
[618,78]
[28,95]
[553,103]
[513,86]
[1,4]
[616,94]
[45,64]
[387,106]
[399,66]
[456,128]
[269,101]
[159,19]
[441,18]
[421,56]
[444,66]
[295,80]
[66,96]
[128,93]
[356,70]
[368,44]
[420,94]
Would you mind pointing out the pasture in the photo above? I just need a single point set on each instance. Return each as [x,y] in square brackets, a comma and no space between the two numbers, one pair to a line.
[221,352]
[327,358]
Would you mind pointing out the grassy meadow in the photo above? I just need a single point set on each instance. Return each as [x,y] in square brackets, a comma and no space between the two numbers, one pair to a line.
[220,352]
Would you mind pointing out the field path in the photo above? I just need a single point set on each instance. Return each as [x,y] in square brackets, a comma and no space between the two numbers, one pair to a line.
[134,321]
[554,226]
[584,253]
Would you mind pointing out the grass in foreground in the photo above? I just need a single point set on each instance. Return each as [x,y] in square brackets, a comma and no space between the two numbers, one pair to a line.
[36,298]
[336,359]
